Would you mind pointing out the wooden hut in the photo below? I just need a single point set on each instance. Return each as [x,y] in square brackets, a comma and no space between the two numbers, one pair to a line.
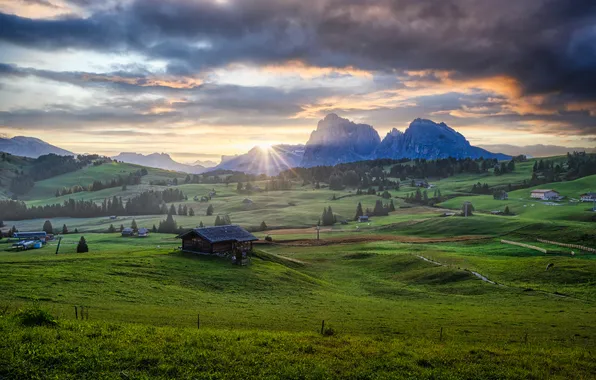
[230,239]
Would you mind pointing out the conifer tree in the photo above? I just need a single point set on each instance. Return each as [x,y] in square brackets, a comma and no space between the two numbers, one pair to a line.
[64,230]
[82,247]
[134,226]
[391,206]
[210,210]
[191,212]
[263,226]
[359,211]
[47,227]
[111,229]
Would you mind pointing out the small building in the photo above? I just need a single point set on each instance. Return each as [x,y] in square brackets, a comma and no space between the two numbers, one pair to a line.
[545,194]
[420,183]
[221,240]
[113,217]
[588,197]
[127,232]
[363,219]
[39,235]
[501,195]
[143,232]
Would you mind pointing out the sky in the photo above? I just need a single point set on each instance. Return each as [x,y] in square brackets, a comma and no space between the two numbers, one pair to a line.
[202,78]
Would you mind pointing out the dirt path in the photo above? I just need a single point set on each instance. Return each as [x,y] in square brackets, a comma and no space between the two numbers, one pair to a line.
[371,239]
[483,278]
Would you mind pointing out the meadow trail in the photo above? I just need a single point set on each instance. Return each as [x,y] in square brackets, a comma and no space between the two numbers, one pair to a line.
[483,278]
[372,239]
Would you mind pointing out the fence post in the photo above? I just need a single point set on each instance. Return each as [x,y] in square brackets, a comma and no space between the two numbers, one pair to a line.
[441,335]
[198,321]
[526,338]
[76,313]
[82,313]
[323,327]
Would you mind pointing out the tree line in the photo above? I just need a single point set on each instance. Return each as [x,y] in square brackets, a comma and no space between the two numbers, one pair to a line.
[131,179]
[146,203]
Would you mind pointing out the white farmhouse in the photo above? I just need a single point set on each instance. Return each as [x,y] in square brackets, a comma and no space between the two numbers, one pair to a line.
[545,194]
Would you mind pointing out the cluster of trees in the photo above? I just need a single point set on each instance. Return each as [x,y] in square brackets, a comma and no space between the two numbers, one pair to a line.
[120,181]
[580,164]
[222,220]
[146,203]
[442,168]
[505,168]
[479,188]
[422,198]
[380,209]
[328,218]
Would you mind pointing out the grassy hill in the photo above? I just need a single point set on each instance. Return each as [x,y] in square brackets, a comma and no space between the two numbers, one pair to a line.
[520,202]
[384,303]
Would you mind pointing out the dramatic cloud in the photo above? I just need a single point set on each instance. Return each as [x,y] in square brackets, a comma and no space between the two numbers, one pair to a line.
[523,66]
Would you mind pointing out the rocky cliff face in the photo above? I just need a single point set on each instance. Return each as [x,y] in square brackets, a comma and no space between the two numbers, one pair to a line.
[429,140]
[337,140]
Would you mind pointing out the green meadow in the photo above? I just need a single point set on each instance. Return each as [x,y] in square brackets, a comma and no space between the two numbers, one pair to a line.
[415,294]
[381,303]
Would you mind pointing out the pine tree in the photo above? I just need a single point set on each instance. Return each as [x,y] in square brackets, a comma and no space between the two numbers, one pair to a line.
[76,231]
[64,230]
[379,209]
[507,211]
[185,210]
[359,211]
[121,227]
[391,206]
[134,226]
[239,186]
[191,212]
[201,225]
[209,210]
[263,226]
[154,229]
[180,210]
[217,221]
[111,229]
[172,210]
[47,227]
[425,197]
[82,247]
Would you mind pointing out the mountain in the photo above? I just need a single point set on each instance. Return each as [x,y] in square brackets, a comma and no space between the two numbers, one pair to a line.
[205,163]
[268,161]
[159,160]
[337,140]
[429,140]
[30,147]
[536,150]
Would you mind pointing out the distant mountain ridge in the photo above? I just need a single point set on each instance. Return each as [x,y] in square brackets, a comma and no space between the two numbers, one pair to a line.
[538,150]
[30,147]
[338,140]
[268,161]
[160,161]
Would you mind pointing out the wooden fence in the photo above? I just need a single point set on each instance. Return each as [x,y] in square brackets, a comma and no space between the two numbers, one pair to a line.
[524,245]
[575,246]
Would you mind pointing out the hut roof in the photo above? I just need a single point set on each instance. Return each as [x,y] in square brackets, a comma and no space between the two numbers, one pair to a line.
[222,233]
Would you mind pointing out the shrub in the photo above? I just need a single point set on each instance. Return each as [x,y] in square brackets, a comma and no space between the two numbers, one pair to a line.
[329,331]
[268,238]
[35,316]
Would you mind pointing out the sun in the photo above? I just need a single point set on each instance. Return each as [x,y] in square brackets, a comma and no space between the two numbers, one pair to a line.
[265,147]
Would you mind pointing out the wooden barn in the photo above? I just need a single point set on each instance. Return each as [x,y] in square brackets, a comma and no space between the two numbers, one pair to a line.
[229,239]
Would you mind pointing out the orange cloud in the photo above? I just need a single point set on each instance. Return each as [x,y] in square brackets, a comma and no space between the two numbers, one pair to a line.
[172,82]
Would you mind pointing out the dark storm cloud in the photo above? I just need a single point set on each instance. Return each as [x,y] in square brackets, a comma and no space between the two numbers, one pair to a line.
[548,46]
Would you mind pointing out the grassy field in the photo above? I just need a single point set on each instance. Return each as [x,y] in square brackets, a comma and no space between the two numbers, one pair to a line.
[379,297]
[385,289]
[44,191]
